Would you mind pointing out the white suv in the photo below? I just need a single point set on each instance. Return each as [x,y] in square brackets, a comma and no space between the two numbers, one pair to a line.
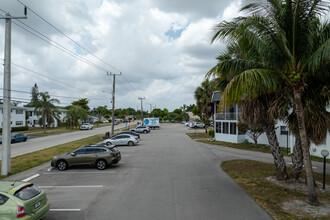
[86,126]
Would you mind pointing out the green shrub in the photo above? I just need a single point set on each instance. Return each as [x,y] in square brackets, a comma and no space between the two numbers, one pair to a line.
[13,129]
[211,133]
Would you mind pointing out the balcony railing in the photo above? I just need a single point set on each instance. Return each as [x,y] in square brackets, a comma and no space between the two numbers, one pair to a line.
[226,116]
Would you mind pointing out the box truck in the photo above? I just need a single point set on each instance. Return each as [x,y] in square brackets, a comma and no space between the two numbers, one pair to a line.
[151,122]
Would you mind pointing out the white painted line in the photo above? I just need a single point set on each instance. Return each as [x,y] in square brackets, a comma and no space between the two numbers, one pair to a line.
[95,186]
[70,172]
[50,169]
[31,177]
[65,210]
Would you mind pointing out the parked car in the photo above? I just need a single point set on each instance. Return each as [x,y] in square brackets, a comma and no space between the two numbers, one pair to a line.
[86,126]
[17,137]
[105,121]
[99,156]
[199,125]
[22,200]
[115,151]
[141,129]
[122,139]
[130,133]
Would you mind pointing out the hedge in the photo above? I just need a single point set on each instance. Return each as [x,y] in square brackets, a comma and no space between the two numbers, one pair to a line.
[13,129]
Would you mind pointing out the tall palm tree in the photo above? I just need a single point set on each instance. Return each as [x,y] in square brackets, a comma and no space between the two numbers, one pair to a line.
[45,105]
[294,46]
[231,63]
[203,95]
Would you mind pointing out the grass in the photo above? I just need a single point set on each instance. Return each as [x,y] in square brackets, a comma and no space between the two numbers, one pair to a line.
[251,176]
[207,139]
[30,160]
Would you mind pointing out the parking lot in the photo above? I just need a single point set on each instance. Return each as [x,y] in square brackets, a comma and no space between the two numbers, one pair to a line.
[166,176]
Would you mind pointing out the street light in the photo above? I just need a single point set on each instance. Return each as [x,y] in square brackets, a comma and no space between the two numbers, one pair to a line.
[324,153]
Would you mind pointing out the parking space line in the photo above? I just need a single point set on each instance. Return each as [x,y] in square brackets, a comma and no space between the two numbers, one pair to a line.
[64,210]
[50,169]
[92,186]
[88,172]
[31,177]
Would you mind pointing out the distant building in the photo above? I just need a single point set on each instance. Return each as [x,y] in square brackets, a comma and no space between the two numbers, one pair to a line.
[17,116]
[33,117]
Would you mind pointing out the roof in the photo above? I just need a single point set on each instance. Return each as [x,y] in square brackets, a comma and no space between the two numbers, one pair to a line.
[216,97]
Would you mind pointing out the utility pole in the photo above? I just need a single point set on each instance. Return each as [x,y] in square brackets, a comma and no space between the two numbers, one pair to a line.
[6,128]
[150,108]
[141,109]
[113,100]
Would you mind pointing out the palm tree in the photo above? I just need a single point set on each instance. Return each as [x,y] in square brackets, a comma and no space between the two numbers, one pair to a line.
[295,48]
[254,112]
[74,114]
[204,105]
[45,105]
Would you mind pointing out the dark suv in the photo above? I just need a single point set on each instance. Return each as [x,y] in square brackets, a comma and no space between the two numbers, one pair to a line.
[97,155]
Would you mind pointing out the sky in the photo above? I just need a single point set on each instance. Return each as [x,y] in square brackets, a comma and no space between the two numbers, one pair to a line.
[161,48]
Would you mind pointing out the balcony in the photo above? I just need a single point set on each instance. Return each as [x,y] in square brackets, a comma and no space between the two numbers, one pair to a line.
[226,116]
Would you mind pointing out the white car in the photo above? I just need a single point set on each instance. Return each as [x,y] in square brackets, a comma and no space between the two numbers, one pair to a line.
[122,139]
[86,126]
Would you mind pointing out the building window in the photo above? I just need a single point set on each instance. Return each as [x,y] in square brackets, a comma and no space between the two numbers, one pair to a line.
[218,127]
[35,122]
[233,128]
[30,114]
[19,122]
[225,127]
[19,111]
[284,131]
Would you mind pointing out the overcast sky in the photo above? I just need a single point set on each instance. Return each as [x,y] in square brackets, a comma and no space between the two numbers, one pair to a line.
[162,48]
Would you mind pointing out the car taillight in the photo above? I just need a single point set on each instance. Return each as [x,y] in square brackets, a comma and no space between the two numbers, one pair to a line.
[136,138]
[113,154]
[20,212]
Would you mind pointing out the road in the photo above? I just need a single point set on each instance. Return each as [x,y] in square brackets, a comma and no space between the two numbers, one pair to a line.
[36,144]
[167,176]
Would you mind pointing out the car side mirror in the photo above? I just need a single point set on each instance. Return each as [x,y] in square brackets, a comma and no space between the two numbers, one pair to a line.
[72,154]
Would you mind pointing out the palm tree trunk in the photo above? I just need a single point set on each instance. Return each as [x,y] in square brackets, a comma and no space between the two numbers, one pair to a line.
[297,159]
[44,120]
[312,197]
[276,152]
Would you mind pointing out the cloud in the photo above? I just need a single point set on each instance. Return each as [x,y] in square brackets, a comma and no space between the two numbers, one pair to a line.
[162,49]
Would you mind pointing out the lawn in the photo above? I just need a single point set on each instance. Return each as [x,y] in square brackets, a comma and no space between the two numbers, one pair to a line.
[207,139]
[251,176]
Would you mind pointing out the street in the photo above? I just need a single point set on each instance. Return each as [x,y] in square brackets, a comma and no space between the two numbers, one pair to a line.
[166,176]
[36,144]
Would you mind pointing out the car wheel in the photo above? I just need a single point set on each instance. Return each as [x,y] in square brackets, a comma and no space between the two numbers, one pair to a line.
[108,143]
[145,131]
[101,164]
[12,141]
[130,143]
[25,139]
[62,165]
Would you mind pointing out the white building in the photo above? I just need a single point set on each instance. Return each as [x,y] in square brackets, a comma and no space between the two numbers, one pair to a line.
[225,129]
[34,117]
[17,116]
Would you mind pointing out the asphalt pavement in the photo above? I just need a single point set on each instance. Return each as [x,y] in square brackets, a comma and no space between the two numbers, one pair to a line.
[36,144]
[166,176]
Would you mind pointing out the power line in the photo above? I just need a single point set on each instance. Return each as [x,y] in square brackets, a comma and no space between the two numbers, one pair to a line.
[69,37]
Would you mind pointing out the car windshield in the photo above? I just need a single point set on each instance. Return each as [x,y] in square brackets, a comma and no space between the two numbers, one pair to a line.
[27,192]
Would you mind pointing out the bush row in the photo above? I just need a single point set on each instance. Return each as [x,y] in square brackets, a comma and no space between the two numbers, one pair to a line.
[13,129]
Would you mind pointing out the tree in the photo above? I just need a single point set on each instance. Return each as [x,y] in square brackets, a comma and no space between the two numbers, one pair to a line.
[45,105]
[82,103]
[75,114]
[295,49]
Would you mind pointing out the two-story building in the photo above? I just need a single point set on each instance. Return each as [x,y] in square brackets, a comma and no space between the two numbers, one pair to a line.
[34,117]
[225,129]
[17,116]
